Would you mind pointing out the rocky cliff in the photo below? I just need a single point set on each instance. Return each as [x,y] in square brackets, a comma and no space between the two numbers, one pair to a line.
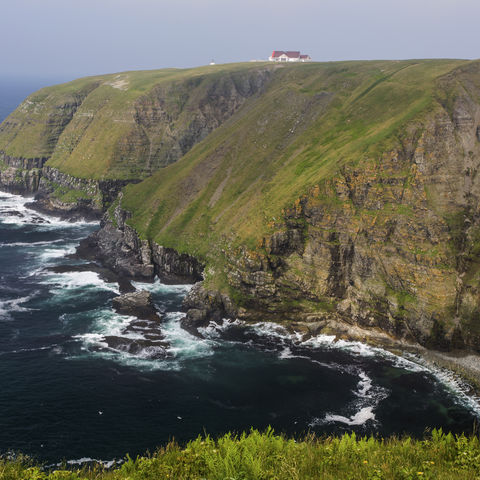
[79,143]
[386,241]
[117,246]
[327,194]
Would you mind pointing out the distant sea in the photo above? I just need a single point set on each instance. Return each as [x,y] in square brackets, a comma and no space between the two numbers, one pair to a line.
[14,89]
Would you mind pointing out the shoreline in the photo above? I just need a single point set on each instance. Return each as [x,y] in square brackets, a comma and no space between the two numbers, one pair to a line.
[463,365]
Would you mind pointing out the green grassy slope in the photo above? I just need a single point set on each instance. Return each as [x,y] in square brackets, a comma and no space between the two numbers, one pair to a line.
[311,120]
[265,456]
[126,125]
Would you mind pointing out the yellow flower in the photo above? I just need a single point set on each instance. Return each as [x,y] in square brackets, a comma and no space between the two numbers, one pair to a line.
[365,461]
[419,473]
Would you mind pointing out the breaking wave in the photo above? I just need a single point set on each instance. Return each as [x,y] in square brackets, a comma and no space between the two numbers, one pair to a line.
[13,211]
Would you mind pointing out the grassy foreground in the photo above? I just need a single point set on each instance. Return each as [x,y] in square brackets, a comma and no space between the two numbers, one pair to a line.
[258,456]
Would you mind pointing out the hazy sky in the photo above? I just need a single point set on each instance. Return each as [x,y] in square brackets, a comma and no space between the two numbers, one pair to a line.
[70,38]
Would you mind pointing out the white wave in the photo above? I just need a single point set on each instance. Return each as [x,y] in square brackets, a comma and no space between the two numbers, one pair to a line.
[369,396]
[13,211]
[183,345]
[29,244]
[67,281]
[175,344]
[53,253]
[461,389]
[214,330]
[14,305]
[109,323]
[56,348]
[360,418]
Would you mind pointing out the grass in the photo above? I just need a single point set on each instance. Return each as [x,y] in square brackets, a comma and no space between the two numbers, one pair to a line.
[267,456]
[68,195]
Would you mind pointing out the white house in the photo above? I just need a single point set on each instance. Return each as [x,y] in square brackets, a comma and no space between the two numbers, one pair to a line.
[289,56]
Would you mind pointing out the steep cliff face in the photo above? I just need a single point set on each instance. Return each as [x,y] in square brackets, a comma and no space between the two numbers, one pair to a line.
[20,175]
[384,230]
[319,193]
[391,242]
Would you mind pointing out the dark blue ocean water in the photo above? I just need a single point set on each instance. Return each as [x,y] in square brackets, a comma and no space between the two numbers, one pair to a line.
[67,393]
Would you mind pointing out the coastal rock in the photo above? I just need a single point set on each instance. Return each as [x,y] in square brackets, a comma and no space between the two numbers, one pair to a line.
[204,306]
[137,304]
[118,247]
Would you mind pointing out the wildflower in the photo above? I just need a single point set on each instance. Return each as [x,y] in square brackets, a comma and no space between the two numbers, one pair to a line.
[419,473]
[365,461]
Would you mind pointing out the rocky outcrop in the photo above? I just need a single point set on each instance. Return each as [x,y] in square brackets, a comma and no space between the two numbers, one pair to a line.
[74,198]
[58,193]
[204,306]
[137,304]
[20,175]
[117,246]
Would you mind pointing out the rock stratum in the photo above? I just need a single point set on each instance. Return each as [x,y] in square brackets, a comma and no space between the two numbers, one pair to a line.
[326,194]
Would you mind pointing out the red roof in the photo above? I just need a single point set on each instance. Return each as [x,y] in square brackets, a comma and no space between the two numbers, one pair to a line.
[304,56]
[289,54]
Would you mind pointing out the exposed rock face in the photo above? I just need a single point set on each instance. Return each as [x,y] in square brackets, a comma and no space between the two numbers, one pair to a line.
[20,175]
[137,304]
[391,244]
[204,306]
[117,246]
[91,199]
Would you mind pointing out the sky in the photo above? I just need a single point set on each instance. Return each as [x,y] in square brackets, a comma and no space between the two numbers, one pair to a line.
[72,38]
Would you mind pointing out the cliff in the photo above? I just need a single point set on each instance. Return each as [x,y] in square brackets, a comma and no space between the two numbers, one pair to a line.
[79,143]
[326,194]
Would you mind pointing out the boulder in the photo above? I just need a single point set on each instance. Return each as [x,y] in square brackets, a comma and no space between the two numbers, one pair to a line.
[137,304]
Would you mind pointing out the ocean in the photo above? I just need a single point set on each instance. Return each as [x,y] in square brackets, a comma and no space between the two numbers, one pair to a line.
[81,382]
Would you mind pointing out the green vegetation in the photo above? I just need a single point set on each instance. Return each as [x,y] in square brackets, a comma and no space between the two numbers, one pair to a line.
[266,456]
[69,195]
